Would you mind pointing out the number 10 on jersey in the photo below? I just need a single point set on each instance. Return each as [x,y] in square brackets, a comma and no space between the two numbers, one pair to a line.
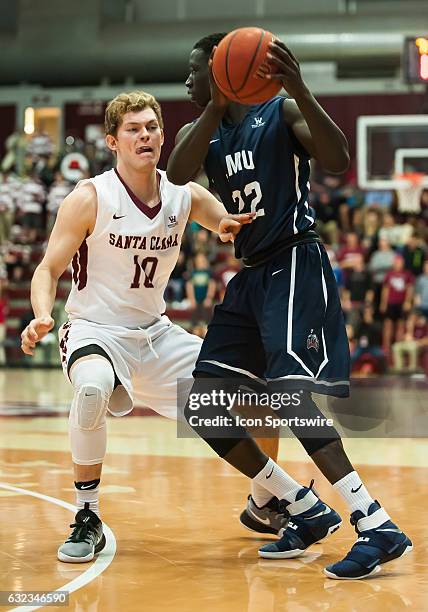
[148,266]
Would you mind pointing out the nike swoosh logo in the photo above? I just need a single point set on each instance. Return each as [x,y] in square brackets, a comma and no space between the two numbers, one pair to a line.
[357,489]
[90,394]
[215,140]
[277,272]
[270,474]
[322,513]
[86,487]
[118,217]
[259,518]
[393,530]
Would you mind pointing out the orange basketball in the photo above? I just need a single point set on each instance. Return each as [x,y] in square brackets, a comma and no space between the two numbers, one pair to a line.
[236,61]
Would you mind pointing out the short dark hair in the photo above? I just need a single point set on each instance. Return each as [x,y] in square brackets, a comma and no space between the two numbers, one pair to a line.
[207,43]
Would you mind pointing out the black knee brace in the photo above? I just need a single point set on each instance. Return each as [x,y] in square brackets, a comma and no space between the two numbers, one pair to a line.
[229,435]
[317,433]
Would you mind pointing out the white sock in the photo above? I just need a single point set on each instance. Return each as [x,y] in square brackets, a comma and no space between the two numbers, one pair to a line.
[260,495]
[277,482]
[88,497]
[354,492]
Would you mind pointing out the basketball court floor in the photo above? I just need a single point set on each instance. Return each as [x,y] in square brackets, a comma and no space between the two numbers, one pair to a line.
[171,510]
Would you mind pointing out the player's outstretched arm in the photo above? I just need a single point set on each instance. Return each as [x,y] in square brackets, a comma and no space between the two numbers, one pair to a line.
[75,220]
[193,140]
[312,126]
[211,214]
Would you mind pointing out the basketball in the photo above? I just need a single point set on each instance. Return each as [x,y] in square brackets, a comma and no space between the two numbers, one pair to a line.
[236,61]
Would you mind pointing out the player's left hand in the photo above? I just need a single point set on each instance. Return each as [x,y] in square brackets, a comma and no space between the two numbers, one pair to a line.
[230,225]
[283,66]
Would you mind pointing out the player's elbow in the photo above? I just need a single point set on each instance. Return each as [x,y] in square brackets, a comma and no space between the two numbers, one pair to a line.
[339,164]
[177,175]
[176,179]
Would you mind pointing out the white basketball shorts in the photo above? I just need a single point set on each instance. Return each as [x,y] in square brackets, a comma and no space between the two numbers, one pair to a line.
[147,361]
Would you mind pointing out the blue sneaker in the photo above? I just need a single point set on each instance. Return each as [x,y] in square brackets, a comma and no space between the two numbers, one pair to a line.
[311,521]
[375,545]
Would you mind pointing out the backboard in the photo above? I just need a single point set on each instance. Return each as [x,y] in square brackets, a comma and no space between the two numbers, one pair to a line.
[389,146]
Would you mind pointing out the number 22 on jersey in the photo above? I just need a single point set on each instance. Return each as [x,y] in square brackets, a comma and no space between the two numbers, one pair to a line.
[245,199]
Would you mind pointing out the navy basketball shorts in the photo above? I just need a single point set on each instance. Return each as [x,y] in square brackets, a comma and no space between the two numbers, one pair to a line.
[281,322]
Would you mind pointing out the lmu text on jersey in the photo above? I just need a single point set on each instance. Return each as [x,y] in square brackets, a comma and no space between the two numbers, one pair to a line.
[239,161]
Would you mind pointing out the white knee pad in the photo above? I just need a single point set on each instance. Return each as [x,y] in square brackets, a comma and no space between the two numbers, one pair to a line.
[93,382]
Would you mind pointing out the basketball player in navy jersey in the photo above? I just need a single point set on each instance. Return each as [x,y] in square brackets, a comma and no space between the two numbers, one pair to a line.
[122,231]
[281,318]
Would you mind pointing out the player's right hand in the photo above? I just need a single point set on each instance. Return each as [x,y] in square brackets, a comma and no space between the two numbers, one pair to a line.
[218,99]
[34,332]
[230,225]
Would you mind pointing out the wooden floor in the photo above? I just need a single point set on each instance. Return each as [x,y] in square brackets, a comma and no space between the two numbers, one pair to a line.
[171,510]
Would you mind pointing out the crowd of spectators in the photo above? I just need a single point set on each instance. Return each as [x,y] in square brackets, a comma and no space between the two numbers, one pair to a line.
[378,255]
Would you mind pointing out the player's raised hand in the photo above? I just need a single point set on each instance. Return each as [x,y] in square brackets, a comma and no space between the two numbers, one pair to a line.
[217,98]
[230,225]
[34,332]
[283,66]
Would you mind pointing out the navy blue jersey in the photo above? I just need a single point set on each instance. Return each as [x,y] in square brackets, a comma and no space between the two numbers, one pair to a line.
[259,165]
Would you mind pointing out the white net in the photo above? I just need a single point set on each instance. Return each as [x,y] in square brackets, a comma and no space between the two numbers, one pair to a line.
[409,194]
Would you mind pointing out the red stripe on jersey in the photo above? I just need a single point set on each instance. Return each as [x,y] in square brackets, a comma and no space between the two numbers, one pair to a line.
[149,211]
[83,260]
[64,340]
[75,267]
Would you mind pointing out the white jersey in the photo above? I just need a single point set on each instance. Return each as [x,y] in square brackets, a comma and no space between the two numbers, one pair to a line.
[121,270]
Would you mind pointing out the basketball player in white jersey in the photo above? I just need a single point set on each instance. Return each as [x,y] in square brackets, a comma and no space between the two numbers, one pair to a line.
[122,231]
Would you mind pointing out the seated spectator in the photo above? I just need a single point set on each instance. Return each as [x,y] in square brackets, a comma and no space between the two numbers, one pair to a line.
[30,207]
[174,292]
[350,253]
[421,291]
[396,234]
[414,253]
[358,290]
[368,339]
[371,223]
[396,300]
[201,288]
[227,272]
[326,214]
[18,255]
[415,340]
[59,189]
[380,263]
[7,207]
[204,243]
[350,209]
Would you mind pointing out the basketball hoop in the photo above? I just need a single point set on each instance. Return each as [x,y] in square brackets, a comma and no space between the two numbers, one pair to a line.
[409,193]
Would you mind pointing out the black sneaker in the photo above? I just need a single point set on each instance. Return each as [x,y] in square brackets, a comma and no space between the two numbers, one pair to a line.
[86,540]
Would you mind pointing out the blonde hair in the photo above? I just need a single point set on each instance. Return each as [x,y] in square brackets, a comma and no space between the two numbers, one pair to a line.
[133,101]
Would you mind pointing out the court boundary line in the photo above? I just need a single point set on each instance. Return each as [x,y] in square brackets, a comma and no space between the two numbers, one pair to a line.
[96,568]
